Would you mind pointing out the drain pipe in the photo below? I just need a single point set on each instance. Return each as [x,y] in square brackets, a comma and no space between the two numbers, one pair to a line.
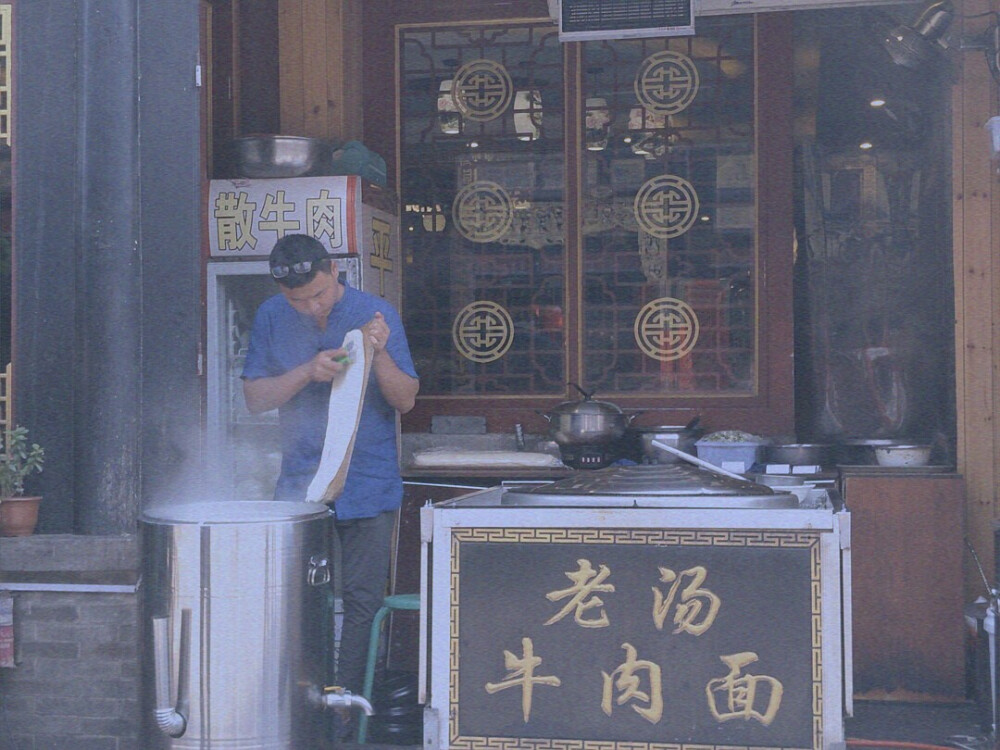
[171,720]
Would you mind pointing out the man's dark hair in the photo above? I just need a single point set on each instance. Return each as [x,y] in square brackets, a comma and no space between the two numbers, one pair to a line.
[293,250]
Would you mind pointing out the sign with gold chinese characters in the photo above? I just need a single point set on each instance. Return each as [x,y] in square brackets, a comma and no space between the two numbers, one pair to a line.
[645,637]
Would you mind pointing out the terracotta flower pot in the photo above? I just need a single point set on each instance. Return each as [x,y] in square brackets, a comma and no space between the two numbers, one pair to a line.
[18,515]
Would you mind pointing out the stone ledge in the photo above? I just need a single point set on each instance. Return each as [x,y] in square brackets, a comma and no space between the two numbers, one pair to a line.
[69,553]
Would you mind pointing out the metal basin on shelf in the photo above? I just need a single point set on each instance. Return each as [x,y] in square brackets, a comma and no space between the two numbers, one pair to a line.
[268,156]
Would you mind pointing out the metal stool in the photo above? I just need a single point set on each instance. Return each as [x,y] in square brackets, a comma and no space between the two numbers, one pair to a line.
[390,603]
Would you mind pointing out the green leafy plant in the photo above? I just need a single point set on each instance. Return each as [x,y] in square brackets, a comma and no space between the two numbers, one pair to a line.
[18,459]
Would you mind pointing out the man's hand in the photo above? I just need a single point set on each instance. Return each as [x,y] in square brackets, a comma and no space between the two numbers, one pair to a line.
[399,389]
[264,394]
[328,364]
[378,332]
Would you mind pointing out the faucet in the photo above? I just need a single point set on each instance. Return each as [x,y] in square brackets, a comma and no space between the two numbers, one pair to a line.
[337,697]
[519,436]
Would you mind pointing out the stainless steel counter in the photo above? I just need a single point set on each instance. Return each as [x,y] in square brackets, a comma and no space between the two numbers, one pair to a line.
[616,622]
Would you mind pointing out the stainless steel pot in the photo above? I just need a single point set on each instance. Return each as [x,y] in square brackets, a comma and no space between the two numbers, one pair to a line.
[235,594]
[681,437]
[586,422]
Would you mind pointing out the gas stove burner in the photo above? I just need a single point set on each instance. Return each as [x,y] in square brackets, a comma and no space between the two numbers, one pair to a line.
[586,456]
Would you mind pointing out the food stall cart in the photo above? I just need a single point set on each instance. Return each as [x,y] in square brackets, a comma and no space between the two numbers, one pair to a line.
[642,605]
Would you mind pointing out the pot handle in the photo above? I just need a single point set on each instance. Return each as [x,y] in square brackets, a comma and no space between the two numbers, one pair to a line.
[548,417]
[319,571]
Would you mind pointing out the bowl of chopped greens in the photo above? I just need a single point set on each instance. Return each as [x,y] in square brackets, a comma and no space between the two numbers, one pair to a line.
[733,450]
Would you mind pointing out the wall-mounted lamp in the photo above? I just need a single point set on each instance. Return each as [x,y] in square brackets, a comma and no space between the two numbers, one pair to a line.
[528,114]
[449,118]
[596,123]
[915,44]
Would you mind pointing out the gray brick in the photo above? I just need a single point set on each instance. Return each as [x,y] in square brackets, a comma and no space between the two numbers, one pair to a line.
[48,612]
[59,552]
[129,709]
[130,672]
[22,723]
[60,683]
[117,688]
[19,704]
[21,671]
[101,609]
[42,632]
[45,686]
[48,650]
[112,650]
[76,742]
[129,632]
[91,727]
[88,705]
[74,669]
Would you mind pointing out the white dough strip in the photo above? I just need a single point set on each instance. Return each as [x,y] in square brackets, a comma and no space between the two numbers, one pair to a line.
[347,396]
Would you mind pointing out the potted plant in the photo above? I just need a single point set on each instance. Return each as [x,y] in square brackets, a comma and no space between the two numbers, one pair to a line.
[18,459]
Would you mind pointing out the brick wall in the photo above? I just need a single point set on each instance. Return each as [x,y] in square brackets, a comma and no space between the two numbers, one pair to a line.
[76,680]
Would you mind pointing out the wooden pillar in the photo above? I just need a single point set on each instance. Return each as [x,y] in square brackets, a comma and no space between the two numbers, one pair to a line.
[319,70]
[976,228]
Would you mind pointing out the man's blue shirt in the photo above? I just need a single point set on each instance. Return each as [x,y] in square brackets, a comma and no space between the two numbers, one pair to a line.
[281,340]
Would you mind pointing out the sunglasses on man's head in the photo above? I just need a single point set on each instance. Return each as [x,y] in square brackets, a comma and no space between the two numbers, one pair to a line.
[280,272]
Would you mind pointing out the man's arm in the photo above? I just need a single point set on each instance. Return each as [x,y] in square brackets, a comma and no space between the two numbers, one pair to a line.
[264,394]
[398,388]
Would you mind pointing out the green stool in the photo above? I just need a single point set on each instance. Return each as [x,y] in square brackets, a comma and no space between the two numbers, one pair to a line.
[390,603]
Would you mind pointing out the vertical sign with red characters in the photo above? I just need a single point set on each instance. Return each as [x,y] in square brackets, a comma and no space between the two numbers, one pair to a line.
[6,629]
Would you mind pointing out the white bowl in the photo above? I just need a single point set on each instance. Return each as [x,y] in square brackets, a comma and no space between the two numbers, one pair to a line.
[902,455]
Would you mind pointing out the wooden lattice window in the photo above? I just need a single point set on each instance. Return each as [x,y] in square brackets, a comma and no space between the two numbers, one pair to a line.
[609,213]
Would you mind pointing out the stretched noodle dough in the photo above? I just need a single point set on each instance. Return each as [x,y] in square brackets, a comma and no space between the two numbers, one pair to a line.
[347,395]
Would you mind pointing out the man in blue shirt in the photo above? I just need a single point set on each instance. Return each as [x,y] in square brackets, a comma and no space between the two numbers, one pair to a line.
[295,354]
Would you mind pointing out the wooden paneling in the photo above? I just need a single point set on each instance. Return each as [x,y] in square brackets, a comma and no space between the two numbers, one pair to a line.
[320,53]
[907,549]
[976,245]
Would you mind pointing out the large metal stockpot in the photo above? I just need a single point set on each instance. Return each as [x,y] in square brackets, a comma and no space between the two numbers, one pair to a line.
[234,605]
[586,422]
